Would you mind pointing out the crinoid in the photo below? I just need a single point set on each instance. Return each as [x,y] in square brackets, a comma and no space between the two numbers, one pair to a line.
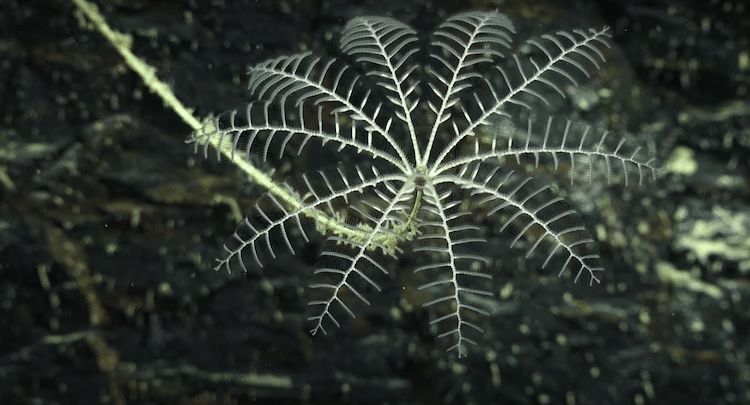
[431,155]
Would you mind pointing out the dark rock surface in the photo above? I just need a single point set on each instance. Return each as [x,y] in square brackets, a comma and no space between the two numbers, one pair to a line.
[109,224]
